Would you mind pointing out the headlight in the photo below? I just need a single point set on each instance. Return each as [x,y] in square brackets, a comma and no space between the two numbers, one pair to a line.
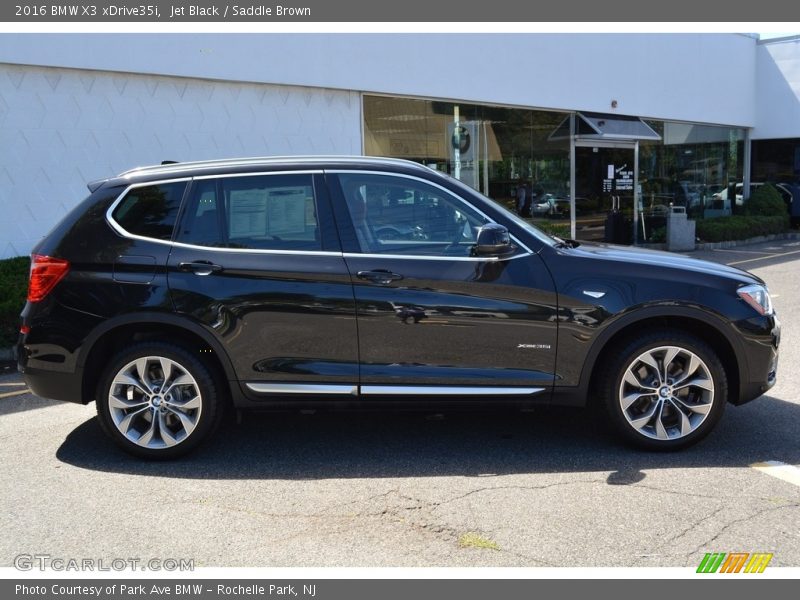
[757,296]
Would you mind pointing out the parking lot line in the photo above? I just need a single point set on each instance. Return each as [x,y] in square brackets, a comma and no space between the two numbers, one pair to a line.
[782,471]
[736,251]
[15,393]
[766,256]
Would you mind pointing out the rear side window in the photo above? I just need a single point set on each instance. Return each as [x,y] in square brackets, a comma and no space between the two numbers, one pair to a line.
[261,212]
[150,211]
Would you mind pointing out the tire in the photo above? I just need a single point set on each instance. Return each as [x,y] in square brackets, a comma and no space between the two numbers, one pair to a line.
[657,412]
[143,418]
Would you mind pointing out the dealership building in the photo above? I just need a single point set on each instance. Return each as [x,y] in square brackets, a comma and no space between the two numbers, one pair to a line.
[568,128]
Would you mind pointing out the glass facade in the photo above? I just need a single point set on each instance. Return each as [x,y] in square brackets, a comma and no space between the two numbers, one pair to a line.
[778,162]
[521,159]
[505,153]
[692,166]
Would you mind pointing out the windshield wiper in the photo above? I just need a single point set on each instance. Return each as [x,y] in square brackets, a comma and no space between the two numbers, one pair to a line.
[566,243]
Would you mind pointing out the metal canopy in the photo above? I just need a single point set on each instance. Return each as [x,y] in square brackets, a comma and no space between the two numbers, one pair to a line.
[597,126]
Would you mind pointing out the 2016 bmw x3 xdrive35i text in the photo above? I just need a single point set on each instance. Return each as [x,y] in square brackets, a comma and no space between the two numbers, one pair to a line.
[175,290]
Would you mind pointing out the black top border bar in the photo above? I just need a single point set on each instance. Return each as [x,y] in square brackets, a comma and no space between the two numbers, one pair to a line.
[338,11]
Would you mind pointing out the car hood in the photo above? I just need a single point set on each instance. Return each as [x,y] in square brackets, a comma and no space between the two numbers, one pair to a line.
[660,259]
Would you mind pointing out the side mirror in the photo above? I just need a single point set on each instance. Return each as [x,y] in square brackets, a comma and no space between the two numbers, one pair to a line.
[493,241]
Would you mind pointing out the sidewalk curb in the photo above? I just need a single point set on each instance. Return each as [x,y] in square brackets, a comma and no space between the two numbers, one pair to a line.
[754,240]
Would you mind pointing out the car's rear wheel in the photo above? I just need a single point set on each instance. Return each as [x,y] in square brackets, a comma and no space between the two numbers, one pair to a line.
[665,390]
[158,400]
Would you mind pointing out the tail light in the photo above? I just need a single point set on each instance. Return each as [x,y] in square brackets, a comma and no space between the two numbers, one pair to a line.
[46,272]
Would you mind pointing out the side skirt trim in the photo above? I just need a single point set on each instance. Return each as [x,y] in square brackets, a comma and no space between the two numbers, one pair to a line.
[389,390]
[303,388]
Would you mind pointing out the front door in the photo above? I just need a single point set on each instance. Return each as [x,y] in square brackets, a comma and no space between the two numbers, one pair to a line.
[432,319]
[605,192]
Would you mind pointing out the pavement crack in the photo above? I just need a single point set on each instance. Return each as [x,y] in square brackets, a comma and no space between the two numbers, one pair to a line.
[678,493]
[515,487]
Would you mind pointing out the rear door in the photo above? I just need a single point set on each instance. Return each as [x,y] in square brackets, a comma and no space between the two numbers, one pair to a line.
[433,319]
[258,262]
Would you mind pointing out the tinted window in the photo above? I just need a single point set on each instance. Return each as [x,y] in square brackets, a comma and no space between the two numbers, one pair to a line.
[396,215]
[270,212]
[151,210]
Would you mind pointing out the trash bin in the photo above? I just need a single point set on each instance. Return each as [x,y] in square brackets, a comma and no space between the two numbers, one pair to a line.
[617,228]
[680,230]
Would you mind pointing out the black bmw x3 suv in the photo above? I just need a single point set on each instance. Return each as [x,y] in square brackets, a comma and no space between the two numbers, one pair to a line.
[175,290]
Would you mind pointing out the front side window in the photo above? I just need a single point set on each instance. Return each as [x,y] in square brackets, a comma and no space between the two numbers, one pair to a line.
[398,215]
[267,212]
[150,211]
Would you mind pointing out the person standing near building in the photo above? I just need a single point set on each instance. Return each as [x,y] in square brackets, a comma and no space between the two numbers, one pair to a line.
[522,199]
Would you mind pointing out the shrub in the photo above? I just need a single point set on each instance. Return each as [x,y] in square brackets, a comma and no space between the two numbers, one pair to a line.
[766,201]
[723,229]
[658,236]
[13,290]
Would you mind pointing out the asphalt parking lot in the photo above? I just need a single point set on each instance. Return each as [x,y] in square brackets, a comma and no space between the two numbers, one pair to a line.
[547,488]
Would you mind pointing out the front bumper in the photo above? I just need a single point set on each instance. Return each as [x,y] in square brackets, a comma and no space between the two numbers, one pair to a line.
[762,338]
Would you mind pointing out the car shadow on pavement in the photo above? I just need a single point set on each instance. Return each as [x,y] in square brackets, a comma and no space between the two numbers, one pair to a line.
[380,444]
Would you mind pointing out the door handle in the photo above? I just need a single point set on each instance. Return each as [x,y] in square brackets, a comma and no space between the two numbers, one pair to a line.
[200,267]
[380,276]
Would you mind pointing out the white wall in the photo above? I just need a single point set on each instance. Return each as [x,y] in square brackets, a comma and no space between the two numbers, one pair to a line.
[61,128]
[76,107]
[694,77]
[778,85]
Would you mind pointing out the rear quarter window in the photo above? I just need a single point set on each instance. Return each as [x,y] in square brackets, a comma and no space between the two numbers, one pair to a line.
[151,210]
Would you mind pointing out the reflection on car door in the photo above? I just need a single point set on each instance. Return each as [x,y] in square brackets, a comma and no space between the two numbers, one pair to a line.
[431,317]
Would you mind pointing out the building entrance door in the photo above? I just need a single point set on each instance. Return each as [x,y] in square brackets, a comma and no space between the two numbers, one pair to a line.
[606,191]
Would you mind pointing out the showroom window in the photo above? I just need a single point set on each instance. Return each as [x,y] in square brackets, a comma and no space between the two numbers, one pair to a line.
[505,153]
[520,158]
[695,166]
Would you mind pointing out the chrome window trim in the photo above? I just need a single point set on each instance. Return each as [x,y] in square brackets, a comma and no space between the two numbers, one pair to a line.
[254,250]
[526,251]
[303,388]
[126,234]
[450,390]
[431,257]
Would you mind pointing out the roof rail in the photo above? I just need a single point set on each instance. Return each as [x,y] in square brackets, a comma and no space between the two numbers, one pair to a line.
[266,160]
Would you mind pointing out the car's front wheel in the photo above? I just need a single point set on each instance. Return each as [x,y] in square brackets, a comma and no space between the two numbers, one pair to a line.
[157,400]
[665,390]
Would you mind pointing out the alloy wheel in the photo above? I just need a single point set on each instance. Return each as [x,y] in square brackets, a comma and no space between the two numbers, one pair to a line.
[154,402]
[666,393]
